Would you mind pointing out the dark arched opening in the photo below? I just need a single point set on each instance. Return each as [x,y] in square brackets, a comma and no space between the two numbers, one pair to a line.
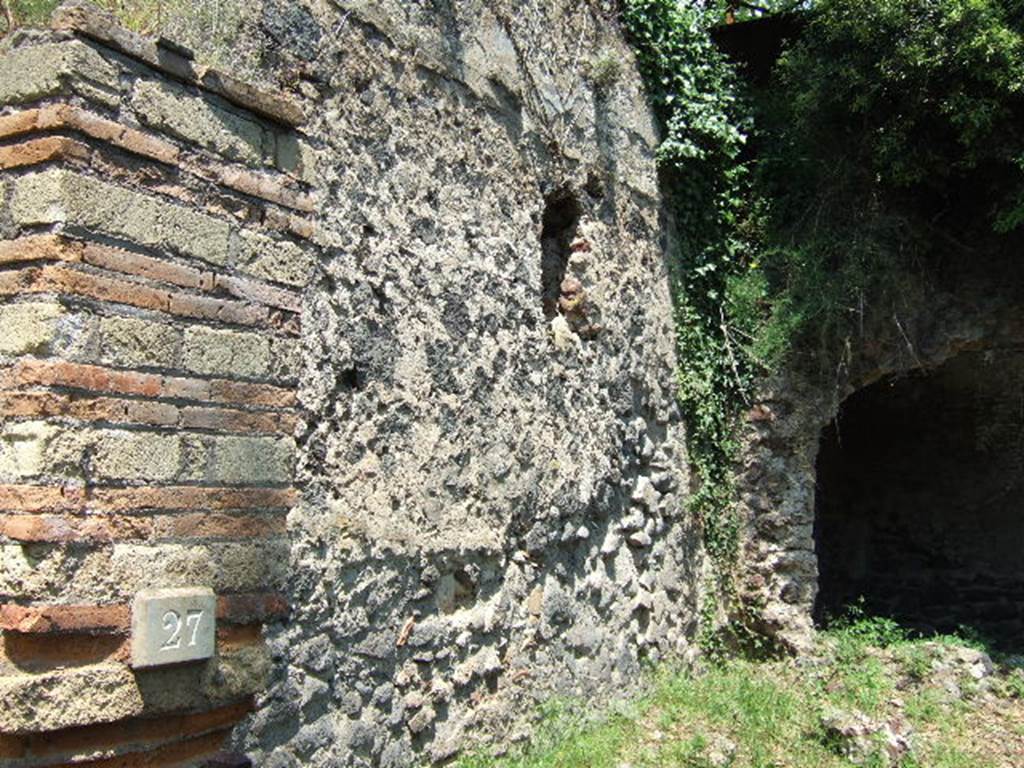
[920,499]
[561,219]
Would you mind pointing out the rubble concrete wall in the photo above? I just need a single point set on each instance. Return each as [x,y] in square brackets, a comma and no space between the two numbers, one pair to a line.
[493,472]
[384,357]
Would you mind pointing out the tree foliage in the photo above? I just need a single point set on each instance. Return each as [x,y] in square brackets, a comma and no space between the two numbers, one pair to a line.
[731,11]
[915,92]
[892,139]
[890,142]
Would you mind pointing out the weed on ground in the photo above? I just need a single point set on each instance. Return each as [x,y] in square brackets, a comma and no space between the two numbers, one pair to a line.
[870,694]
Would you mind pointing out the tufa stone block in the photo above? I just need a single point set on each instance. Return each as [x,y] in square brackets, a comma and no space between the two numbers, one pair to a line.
[24,449]
[277,260]
[211,351]
[129,455]
[131,342]
[68,698]
[65,197]
[252,460]
[172,626]
[28,328]
[34,72]
[31,449]
[172,109]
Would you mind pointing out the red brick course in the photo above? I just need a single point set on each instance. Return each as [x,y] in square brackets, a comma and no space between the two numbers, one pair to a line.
[41,150]
[242,393]
[19,122]
[240,609]
[132,732]
[273,188]
[129,263]
[39,248]
[207,525]
[108,528]
[65,618]
[54,405]
[57,248]
[65,116]
[44,653]
[95,378]
[56,529]
[265,187]
[60,279]
[12,747]
[250,608]
[179,753]
[231,636]
[39,499]
[92,378]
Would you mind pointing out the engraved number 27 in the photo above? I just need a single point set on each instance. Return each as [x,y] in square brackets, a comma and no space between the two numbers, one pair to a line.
[173,624]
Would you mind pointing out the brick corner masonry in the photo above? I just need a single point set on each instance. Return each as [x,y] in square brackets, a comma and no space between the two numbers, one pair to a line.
[148,372]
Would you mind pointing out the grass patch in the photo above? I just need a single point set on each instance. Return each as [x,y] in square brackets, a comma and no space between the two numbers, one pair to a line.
[139,15]
[567,738]
[771,714]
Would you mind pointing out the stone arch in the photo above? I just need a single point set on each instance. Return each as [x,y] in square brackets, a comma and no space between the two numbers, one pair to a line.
[778,474]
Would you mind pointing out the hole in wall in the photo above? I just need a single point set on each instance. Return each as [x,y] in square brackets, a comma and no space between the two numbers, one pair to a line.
[560,222]
[455,590]
[595,186]
[919,505]
[351,379]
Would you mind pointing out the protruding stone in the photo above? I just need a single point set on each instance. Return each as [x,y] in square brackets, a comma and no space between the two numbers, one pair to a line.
[422,720]
[611,544]
[640,539]
[634,521]
[645,493]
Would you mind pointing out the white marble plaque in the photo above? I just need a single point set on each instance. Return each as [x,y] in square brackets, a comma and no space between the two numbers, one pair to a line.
[170,626]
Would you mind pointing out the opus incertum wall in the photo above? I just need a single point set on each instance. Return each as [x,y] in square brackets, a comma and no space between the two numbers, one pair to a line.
[491,462]
[156,226]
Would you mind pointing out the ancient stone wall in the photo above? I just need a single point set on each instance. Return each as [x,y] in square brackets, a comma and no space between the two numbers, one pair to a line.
[777,472]
[383,357]
[493,473]
[433,321]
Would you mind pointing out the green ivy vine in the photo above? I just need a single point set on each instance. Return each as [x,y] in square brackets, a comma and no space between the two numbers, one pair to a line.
[706,183]
[694,93]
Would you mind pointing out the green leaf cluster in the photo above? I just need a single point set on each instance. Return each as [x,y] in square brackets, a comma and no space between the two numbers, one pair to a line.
[705,124]
[914,92]
[891,143]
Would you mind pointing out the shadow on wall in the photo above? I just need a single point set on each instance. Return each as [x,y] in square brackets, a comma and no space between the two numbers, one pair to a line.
[920,498]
